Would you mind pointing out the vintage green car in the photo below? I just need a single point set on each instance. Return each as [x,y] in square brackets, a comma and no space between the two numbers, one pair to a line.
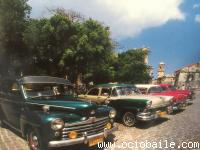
[45,110]
[130,104]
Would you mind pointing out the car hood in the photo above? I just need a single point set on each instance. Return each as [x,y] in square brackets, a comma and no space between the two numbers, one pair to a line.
[157,101]
[167,99]
[64,105]
[169,93]
[185,92]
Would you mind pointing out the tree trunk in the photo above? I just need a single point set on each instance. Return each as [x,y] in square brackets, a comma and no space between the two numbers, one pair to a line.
[78,82]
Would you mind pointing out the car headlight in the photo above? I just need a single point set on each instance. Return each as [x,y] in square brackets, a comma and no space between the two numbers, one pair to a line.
[107,102]
[148,105]
[112,113]
[57,124]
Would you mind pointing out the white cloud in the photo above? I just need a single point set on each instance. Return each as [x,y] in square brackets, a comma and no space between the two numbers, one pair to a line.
[197,18]
[126,18]
[196,5]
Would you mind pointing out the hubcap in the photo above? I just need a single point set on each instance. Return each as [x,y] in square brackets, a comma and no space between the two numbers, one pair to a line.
[129,119]
[33,141]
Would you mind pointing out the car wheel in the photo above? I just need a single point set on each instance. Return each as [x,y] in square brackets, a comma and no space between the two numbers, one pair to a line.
[34,140]
[129,119]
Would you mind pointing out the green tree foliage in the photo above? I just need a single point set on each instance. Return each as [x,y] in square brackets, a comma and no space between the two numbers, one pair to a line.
[131,68]
[13,17]
[65,44]
[91,49]
[46,40]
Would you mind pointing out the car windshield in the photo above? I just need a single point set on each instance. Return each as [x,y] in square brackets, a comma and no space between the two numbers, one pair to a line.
[128,90]
[47,90]
[164,88]
[155,89]
[172,87]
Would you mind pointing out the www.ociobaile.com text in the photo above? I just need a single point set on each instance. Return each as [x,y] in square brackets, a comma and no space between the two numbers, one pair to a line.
[149,145]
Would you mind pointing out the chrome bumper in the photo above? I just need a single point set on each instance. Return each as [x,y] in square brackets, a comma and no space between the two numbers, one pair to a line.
[169,109]
[83,139]
[146,116]
[189,101]
[179,106]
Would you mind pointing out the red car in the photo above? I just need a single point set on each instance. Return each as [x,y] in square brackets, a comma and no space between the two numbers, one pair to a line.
[169,87]
[178,102]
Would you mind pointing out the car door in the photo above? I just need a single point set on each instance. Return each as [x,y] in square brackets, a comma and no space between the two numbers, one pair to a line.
[12,102]
[92,94]
[105,93]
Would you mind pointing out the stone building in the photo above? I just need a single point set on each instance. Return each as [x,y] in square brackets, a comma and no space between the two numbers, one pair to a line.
[161,70]
[169,78]
[188,77]
[162,77]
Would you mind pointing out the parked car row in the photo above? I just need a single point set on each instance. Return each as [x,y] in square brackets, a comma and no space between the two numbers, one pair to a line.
[181,98]
[130,104]
[48,113]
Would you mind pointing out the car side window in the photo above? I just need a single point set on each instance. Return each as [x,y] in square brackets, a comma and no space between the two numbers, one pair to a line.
[105,92]
[10,88]
[151,90]
[114,92]
[93,92]
[143,90]
[154,90]
[14,89]
[164,88]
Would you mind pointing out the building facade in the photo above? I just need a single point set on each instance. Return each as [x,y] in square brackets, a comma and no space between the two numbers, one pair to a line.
[188,77]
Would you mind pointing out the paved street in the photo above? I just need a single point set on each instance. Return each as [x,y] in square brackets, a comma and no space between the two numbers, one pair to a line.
[181,127]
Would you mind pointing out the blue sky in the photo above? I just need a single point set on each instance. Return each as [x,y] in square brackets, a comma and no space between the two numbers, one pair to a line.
[170,28]
[177,43]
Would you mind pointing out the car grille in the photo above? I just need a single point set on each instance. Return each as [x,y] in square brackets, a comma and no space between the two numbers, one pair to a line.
[91,126]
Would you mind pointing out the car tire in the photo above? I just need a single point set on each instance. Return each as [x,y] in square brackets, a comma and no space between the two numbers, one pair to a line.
[129,119]
[34,140]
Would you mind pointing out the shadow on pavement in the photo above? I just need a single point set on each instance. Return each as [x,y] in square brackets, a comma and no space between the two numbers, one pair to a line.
[85,147]
[146,125]
[110,139]
[177,112]
[13,131]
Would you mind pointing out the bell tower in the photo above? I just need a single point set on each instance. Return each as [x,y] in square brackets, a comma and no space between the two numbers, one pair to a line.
[161,70]
[146,50]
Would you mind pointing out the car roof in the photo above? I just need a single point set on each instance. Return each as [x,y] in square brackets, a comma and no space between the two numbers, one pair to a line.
[146,85]
[166,85]
[114,85]
[43,79]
